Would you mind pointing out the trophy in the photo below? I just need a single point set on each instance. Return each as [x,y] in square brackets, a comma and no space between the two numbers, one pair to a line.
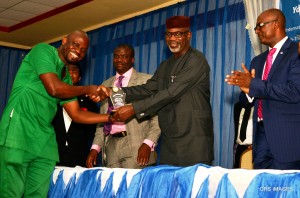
[117,97]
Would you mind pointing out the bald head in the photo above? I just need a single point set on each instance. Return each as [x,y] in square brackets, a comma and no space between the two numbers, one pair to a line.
[79,33]
[270,27]
[74,47]
[277,14]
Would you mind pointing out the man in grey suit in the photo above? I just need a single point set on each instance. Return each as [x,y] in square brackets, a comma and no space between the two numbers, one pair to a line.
[127,144]
[179,92]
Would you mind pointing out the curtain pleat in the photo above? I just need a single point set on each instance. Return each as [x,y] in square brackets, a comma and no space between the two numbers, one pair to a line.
[10,59]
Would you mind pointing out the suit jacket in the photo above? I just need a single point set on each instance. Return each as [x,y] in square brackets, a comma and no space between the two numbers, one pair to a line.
[79,136]
[137,130]
[280,95]
[179,92]
[237,111]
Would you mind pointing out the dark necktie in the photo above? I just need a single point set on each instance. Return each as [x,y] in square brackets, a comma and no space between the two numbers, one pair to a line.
[265,76]
[107,126]
[243,129]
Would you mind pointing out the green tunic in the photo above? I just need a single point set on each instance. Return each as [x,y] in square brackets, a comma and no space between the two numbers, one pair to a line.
[26,120]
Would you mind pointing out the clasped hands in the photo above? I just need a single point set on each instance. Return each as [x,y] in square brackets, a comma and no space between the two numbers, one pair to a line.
[241,79]
[120,114]
[97,93]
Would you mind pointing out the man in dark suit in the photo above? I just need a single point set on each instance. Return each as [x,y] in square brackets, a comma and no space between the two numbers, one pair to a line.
[275,94]
[74,139]
[243,128]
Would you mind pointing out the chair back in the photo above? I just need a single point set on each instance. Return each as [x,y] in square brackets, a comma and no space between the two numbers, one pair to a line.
[246,159]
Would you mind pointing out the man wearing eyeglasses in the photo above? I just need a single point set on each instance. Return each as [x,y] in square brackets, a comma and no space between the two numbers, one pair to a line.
[273,85]
[179,92]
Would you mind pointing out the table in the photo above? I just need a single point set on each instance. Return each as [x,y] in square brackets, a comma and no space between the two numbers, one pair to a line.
[170,181]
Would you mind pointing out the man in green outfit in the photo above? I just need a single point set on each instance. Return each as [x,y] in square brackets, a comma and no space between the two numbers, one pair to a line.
[28,148]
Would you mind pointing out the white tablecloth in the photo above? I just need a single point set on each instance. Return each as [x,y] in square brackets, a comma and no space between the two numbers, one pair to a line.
[169,181]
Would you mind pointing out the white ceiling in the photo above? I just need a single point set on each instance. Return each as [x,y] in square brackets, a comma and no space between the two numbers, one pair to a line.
[13,12]
[24,23]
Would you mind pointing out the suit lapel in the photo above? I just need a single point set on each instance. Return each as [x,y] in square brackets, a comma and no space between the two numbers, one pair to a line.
[260,68]
[133,78]
[283,51]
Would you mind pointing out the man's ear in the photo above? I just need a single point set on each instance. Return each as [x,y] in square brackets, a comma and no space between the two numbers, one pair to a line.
[132,60]
[64,40]
[189,35]
[277,25]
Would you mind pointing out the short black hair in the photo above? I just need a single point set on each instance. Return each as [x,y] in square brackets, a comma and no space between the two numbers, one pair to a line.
[78,67]
[126,46]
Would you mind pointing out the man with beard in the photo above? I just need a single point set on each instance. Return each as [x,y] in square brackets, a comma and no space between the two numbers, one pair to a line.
[28,149]
[179,92]
[273,85]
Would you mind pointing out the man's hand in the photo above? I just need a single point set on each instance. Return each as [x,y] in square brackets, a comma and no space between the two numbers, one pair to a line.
[92,93]
[143,155]
[102,93]
[123,113]
[241,79]
[92,158]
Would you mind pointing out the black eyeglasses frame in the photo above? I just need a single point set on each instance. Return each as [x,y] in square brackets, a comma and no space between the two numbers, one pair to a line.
[176,34]
[260,25]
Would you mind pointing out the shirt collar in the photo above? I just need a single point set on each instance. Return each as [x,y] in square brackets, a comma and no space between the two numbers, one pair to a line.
[279,44]
[126,74]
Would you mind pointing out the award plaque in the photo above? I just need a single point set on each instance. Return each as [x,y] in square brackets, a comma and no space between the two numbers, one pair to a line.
[117,97]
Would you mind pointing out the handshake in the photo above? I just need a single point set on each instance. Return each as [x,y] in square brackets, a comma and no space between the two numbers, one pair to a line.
[98,93]
[121,112]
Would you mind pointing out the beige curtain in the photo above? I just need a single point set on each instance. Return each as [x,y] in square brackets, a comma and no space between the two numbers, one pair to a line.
[253,8]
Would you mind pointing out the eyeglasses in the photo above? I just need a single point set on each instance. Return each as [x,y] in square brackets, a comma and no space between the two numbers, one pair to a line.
[259,25]
[176,34]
